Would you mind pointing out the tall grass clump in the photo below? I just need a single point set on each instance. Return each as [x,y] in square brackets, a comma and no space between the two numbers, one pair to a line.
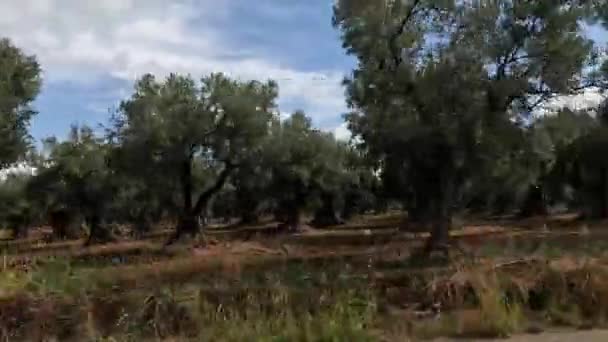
[278,315]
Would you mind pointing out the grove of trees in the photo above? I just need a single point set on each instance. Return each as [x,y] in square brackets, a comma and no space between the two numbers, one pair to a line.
[441,107]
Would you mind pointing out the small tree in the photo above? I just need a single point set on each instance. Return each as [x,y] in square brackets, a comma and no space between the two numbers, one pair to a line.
[361,191]
[549,136]
[340,179]
[307,166]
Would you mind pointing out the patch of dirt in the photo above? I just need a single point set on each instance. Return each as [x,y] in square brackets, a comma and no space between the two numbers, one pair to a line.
[565,336]
[235,248]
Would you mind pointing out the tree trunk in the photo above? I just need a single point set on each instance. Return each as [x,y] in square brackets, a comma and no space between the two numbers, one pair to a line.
[294,219]
[327,215]
[205,197]
[289,214]
[440,231]
[421,214]
[248,209]
[186,180]
[18,226]
[350,207]
[190,221]
[188,224]
[143,223]
[98,232]
[442,209]
[605,192]
[595,196]
[65,224]
[249,217]
[534,204]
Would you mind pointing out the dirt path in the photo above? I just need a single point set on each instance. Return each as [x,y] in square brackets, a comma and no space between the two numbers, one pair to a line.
[579,336]
[566,336]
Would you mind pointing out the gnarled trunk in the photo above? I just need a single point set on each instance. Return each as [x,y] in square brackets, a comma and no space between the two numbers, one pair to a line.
[98,231]
[248,207]
[535,203]
[290,217]
[440,231]
[190,221]
[327,214]
[444,190]
[294,219]
[143,223]
[293,209]
[65,224]
[420,215]
[188,224]
[17,225]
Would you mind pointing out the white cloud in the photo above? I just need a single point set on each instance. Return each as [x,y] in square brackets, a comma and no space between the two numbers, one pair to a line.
[342,132]
[589,99]
[81,40]
[21,169]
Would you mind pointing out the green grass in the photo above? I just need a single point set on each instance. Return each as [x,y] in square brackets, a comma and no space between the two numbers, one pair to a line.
[295,302]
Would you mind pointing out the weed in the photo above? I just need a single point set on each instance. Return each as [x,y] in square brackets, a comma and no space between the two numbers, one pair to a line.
[348,319]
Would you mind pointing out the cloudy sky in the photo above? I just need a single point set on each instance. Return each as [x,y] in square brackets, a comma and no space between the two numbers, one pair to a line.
[92,50]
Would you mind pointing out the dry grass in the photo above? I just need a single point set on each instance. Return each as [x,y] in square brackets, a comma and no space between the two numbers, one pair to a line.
[491,300]
[473,300]
[299,287]
[273,311]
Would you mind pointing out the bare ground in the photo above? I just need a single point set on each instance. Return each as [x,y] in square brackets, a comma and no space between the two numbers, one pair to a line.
[557,336]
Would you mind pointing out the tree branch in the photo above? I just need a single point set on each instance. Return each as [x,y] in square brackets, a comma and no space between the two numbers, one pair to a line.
[217,186]
[392,43]
[186,180]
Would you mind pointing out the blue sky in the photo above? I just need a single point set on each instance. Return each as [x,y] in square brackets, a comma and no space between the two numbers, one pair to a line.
[92,51]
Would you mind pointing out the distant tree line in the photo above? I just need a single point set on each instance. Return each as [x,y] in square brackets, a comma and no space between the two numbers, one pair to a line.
[441,105]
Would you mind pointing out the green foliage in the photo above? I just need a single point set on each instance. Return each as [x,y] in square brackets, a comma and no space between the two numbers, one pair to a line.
[75,177]
[585,169]
[15,211]
[305,164]
[443,88]
[20,82]
[174,119]
[178,143]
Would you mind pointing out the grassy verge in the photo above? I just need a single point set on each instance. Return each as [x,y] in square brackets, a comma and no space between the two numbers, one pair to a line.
[56,301]
[318,297]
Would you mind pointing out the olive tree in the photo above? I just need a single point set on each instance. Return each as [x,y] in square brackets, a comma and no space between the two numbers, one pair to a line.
[443,88]
[176,125]
[76,181]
